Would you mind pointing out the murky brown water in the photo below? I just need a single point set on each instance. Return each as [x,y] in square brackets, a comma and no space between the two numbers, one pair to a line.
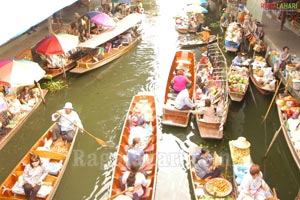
[102,98]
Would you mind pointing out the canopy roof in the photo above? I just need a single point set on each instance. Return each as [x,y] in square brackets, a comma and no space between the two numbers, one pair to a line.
[123,25]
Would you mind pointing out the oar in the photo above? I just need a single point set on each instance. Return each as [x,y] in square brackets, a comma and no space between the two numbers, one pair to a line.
[274,137]
[272,101]
[41,91]
[123,192]
[99,141]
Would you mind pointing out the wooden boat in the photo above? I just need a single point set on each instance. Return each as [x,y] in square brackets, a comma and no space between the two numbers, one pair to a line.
[238,82]
[52,72]
[194,41]
[242,161]
[290,131]
[216,89]
[262,76]
[55,156]
[171,115]
[145,102]
[89,62]
[17,121]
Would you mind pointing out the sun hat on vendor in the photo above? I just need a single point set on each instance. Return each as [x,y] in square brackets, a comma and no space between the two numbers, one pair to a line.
[241,143]
[206,28]
[68,105]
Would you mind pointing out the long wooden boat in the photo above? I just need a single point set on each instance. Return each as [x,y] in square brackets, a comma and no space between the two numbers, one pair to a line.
[238,82]
[146,103]
[55,156]
[242,161]
[88,62]
[194,41]
[217,90]
[172,116]
[290,126]
[233,36]
[262,76]
[200,186]
[53,72]
[17,121]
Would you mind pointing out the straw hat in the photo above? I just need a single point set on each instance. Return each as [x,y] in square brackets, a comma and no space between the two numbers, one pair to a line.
[241,143]
[206,28]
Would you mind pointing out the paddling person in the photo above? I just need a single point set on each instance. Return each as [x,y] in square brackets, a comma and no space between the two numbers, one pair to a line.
[68,119]
[34,174]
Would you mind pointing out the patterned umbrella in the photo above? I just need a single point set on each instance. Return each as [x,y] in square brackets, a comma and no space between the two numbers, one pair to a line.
[18,73]
[57,44]
[104,20]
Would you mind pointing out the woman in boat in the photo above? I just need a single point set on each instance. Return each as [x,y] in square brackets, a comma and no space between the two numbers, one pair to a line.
[135,117]
[208,111]
[253,186]
[205,166]
[34,174]
[205,34]
[135,180]
[135,153]
[28,95]
[179,82]
[238,60]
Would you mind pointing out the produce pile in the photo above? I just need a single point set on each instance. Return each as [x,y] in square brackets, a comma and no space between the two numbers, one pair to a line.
[290,108]
[263,74]
[238,80]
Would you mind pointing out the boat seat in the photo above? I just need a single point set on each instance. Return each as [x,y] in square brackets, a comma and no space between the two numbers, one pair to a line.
[147,193]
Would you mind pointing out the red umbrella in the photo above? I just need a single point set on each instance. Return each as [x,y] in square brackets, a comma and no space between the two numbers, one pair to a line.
[57,44]
[104,20]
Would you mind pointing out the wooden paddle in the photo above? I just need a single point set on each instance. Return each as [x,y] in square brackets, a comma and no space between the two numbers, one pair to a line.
[274,137]
[41,91]
[272,101]
[99,141]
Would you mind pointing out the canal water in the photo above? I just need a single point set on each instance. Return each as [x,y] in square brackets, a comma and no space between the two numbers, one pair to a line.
[102,98]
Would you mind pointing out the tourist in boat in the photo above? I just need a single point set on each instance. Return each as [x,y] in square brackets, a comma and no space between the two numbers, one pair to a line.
[34,174]
[208,111]
[183,101]
[205,166]
[68,120]
[285,58]
[135,117]
[135,153]
[253,186]
[142,132]
[205,33]
[29,96]
[238,60]
[135,180]
[179,82]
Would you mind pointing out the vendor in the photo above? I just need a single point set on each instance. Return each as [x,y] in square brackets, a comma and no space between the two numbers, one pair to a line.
[285,58]
[28,96]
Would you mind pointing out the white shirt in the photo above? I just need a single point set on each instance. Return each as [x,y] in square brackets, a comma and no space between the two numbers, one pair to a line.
[66,122]
[182,99]
[141,132]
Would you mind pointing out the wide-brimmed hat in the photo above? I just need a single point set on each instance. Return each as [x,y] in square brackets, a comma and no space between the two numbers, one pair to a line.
[206,28]
[241,143]
[204,54]
[68,105]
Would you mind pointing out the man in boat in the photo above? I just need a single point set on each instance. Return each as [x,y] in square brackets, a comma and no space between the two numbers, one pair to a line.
[238,60]
[183,101]
[68,120]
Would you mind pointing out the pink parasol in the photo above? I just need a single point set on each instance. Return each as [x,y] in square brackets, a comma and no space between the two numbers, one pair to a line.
[104,20]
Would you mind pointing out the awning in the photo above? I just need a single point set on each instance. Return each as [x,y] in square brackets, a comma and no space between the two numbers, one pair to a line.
[123,25]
